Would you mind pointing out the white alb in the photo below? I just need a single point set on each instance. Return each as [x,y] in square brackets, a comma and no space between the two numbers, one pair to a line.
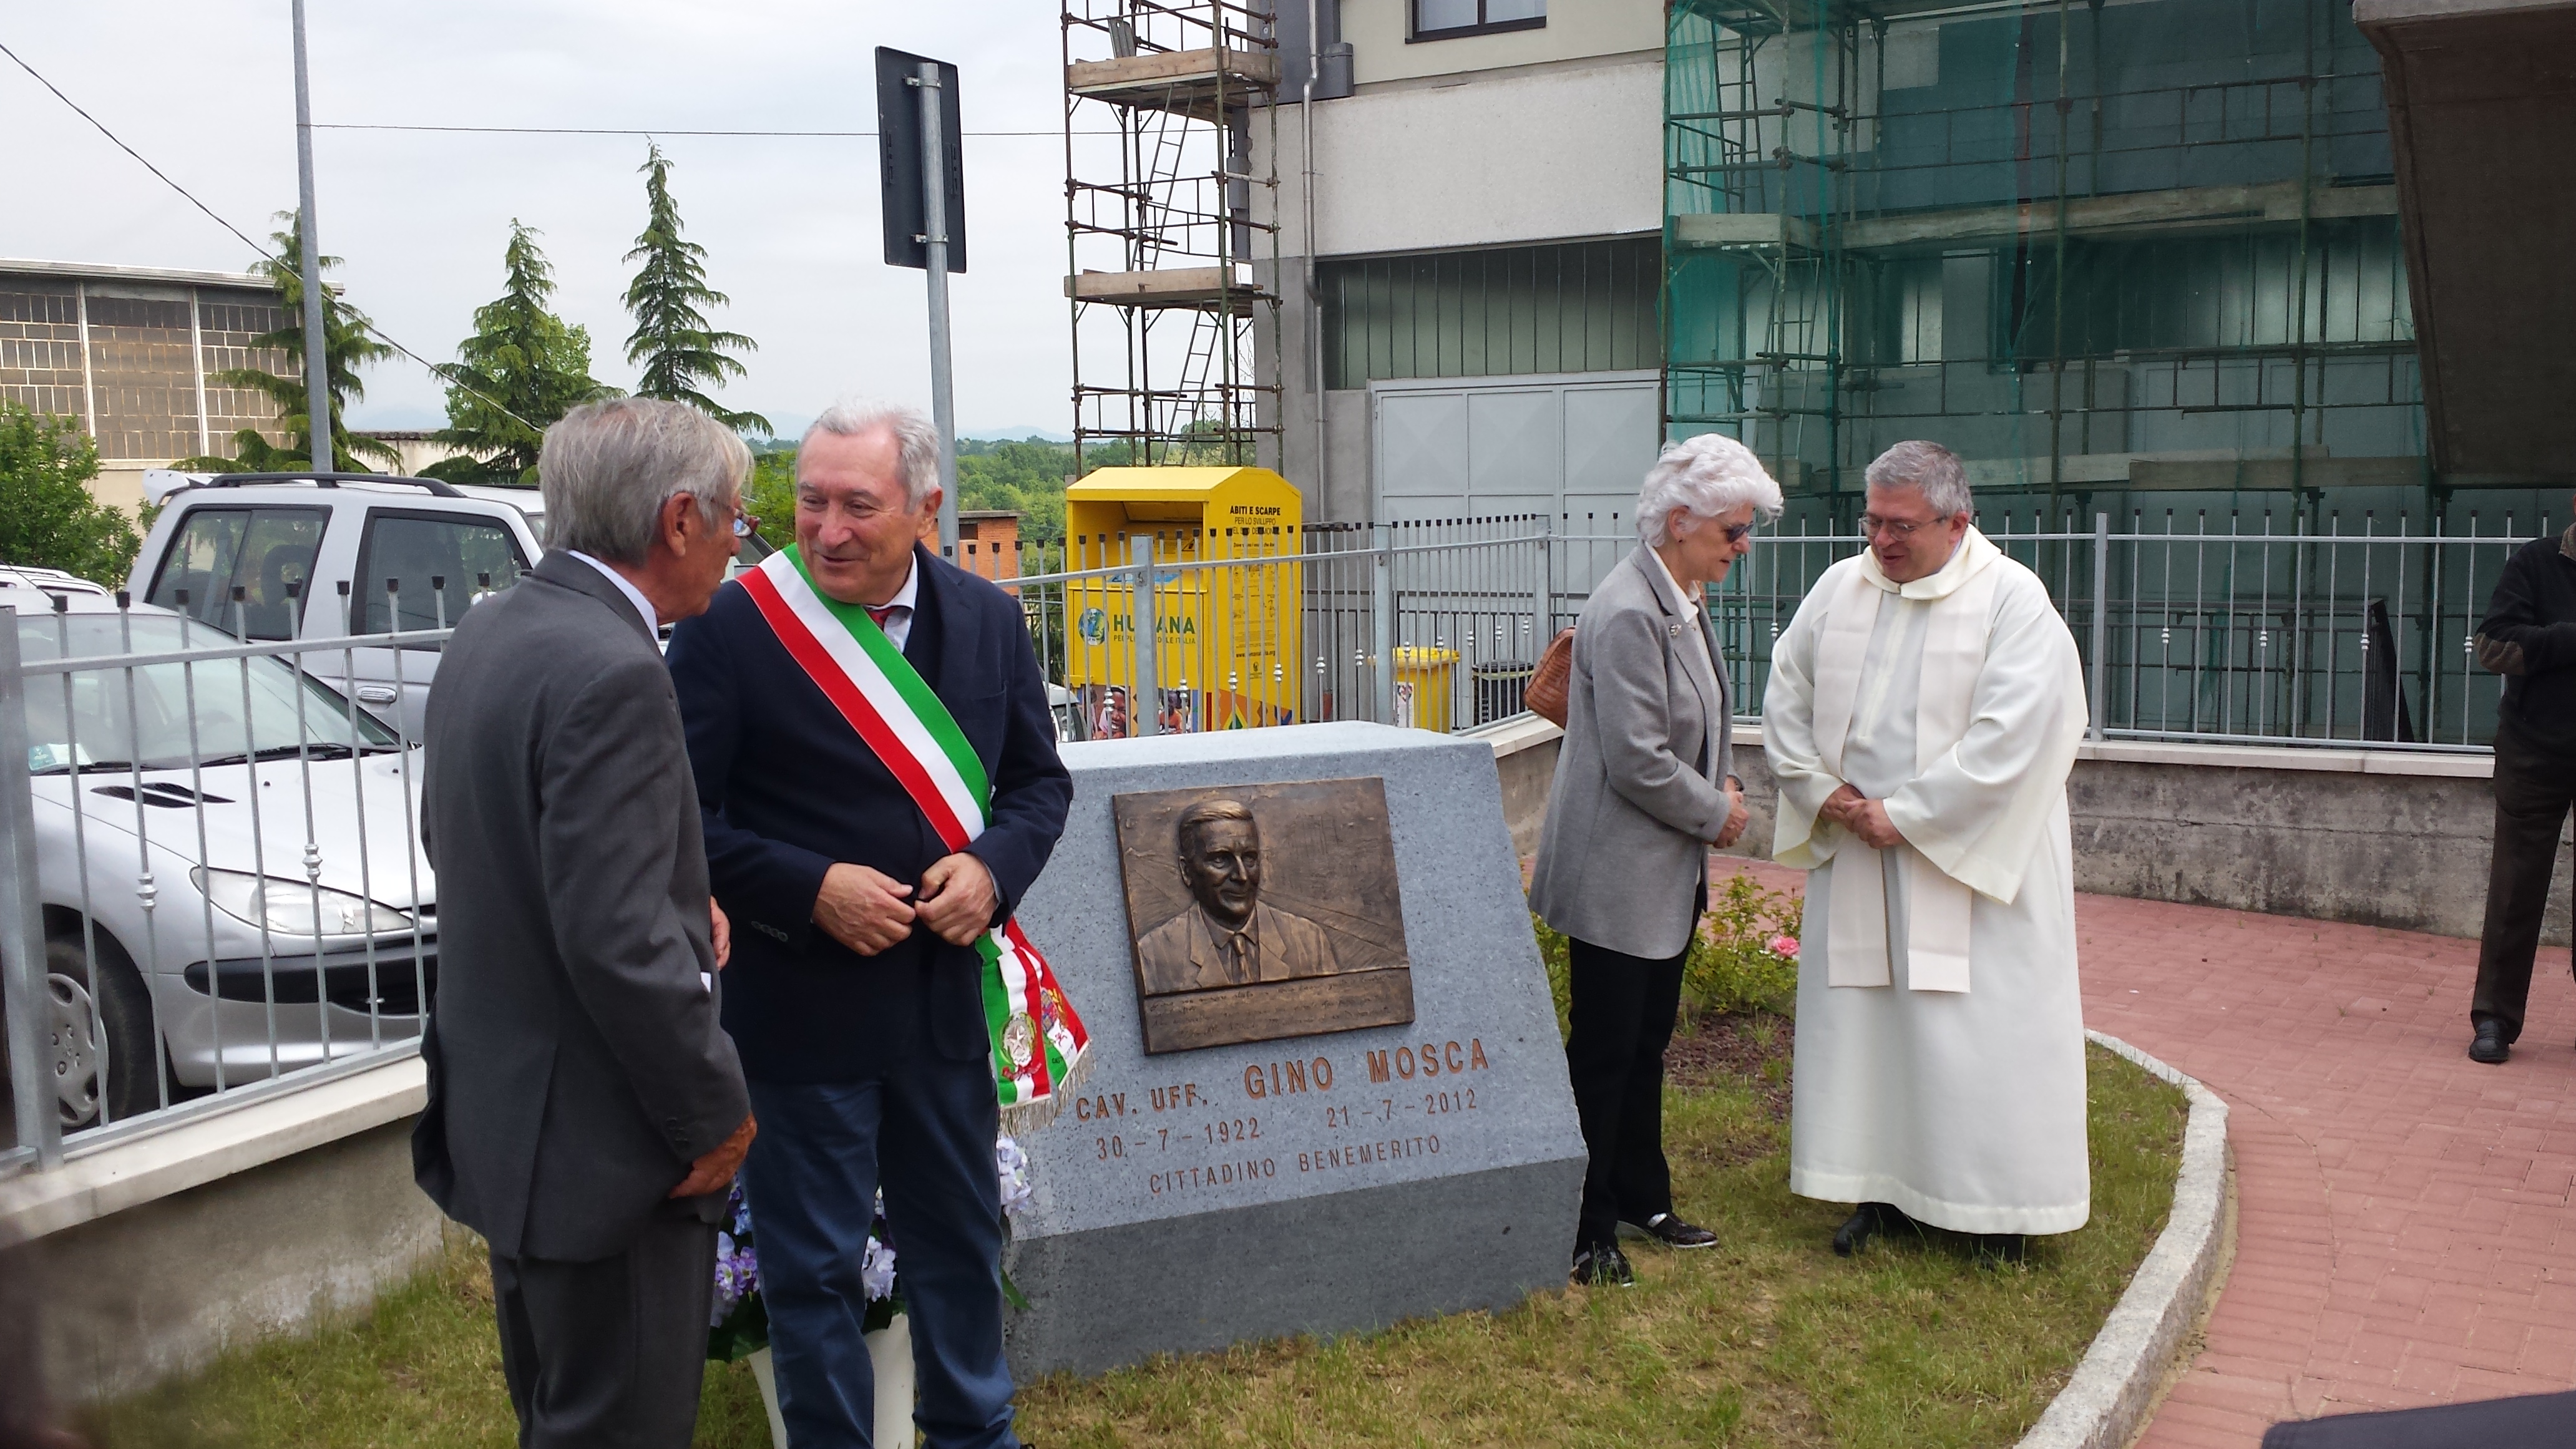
[1940,1044]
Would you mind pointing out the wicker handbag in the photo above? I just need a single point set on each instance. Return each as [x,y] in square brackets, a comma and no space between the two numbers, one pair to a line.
[1546,692]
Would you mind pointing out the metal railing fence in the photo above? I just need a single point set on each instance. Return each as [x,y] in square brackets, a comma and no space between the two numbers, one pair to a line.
[1431,624]
[2229,629]
[213,888]
[2217,630]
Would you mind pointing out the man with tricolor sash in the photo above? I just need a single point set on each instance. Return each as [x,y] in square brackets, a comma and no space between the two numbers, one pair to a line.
[1922,717]
[876,762]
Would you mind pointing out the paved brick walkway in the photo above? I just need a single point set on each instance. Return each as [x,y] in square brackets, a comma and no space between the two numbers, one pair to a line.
[2404,1234]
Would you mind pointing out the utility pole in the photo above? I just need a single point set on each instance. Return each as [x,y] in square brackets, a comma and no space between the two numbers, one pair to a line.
[317,367]
[934,242]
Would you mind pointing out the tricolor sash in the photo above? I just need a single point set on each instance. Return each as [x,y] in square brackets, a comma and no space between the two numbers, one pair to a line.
[1038,1043]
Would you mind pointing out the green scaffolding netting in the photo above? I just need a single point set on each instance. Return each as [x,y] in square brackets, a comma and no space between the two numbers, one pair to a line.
[2139,265]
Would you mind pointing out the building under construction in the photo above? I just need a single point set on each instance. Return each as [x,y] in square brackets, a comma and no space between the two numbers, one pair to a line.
[2255,274]
[2101,250]
[1174,325]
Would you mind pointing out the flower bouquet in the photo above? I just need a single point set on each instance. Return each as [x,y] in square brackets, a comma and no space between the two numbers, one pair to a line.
[739,1322]
[738,1325]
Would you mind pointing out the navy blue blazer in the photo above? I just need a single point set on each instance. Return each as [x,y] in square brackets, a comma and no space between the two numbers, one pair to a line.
[787,788]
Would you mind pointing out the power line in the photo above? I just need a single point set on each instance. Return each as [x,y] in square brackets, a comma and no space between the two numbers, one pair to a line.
[380,334]
[130,151]
[653,131]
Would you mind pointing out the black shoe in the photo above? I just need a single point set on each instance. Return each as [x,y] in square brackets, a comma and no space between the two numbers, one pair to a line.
[1672,1232]
[1870,1219]
[2490,1046]
[1602,1265]
[2004,1247]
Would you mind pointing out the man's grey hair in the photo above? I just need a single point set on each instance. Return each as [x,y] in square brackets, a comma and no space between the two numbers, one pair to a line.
[1707,475]
[608,467]
[1928,466]
[916,441]
[1206,813]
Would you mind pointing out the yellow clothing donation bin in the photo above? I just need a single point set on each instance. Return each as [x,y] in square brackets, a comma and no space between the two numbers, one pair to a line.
[1228,628]
[1426,682]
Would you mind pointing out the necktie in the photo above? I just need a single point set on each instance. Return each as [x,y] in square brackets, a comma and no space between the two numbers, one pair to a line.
[880,615]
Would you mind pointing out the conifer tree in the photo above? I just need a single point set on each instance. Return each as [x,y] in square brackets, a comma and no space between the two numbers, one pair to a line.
[347,345]
[521,370]
[672,342]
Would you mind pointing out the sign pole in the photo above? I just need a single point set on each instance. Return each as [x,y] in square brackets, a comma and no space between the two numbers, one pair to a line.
[317,364]
[934,242]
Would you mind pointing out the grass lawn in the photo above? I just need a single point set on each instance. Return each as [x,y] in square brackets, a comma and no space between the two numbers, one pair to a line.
[1768,1339]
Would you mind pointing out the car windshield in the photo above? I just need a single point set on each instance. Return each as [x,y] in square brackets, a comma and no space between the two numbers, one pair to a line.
[101,726]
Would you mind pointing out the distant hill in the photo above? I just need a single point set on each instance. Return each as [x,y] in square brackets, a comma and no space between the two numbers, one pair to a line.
[1013,435]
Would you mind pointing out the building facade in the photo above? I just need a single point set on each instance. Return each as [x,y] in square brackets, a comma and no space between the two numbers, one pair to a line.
[130,354]
[1471,243]
[2124,257]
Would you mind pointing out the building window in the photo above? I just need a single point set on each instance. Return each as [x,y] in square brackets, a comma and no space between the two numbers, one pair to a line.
[1449,19]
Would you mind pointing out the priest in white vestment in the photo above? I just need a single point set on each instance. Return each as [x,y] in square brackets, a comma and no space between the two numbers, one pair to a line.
[1923,713]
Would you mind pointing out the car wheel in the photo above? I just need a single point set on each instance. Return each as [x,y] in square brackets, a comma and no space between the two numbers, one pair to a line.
[100,1048]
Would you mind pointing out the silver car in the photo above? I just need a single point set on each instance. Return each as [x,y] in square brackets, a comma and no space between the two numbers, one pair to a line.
[227,858]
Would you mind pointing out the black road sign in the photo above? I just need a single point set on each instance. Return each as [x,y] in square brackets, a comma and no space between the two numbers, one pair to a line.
[899,159]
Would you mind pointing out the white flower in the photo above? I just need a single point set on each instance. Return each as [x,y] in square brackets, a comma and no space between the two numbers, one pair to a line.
[1012,1166]
[876,1270]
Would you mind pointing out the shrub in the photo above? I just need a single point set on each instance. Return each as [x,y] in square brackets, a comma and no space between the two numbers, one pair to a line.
[1737,962]
[1560,979]
[47,517]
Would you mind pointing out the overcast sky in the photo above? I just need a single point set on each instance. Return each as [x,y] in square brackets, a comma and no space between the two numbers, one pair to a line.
[205,89]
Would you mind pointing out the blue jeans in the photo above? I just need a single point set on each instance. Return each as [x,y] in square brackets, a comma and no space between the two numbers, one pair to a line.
[812,1179]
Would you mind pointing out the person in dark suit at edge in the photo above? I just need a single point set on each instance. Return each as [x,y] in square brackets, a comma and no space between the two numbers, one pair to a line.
[2529,637]
[586,1110]
[856,995]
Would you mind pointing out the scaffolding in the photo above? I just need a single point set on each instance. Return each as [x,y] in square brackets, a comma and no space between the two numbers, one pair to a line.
[2139,265]
[2097,250]
[1172,259]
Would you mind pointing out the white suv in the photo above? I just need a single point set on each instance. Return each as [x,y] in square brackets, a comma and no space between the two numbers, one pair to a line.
[329,555]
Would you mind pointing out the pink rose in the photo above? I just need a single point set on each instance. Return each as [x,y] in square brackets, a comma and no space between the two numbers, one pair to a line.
[1786,946]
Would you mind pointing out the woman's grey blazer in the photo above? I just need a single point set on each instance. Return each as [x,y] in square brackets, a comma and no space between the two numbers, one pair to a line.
[1640,779]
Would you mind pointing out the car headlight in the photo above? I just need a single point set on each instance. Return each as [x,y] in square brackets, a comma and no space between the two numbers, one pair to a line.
[291,907]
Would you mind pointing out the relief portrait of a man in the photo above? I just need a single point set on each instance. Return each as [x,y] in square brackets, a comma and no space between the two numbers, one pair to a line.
[1227,936]
[1260,911]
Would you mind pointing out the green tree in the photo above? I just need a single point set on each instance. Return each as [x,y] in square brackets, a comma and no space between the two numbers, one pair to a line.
[672,341]
[1026,477]
[770,496]
[47,517]
[521,370]
[347,345]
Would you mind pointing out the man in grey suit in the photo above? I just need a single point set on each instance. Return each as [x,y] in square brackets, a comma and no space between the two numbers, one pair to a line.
[586,1111]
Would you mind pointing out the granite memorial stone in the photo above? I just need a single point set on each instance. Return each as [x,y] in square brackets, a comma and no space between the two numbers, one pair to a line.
[1349,1167]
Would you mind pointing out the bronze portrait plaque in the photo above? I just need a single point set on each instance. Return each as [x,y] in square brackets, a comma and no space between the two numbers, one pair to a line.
[1263,911]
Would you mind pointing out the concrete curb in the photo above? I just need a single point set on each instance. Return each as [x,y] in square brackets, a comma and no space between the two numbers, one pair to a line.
[2105,1404]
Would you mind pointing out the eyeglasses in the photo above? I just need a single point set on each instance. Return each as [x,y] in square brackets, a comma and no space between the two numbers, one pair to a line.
[744,524]
[1871,526]
[1738,532]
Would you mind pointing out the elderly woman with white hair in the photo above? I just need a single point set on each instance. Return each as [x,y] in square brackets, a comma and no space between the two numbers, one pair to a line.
[1643,789]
